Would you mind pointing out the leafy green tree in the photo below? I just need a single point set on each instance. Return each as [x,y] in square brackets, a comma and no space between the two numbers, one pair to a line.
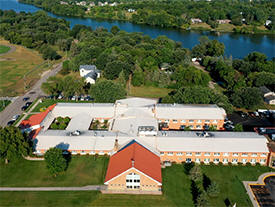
[196,174]
[53,86]
[238,128]
[121,78]
[213,189]
[202,200]
[14,144]
[138,78]
[107,91]
[55,161]
[114,30]
[248,98]
[49,53]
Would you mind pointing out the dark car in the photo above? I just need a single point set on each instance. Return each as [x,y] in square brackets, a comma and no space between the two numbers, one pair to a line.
[10,122]
[28,103]
[24,108]
[26,98]
[32,92]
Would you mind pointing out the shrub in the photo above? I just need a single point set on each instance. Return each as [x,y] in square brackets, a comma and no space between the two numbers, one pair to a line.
[213,189]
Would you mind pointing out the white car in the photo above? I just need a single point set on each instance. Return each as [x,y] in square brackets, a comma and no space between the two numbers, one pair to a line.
[15,117]
[73,98]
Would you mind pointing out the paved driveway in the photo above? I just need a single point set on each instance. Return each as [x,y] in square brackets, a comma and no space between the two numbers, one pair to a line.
[15,107]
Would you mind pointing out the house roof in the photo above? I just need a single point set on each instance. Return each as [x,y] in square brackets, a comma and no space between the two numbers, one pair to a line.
[137,156]
[264,89]
[87,67]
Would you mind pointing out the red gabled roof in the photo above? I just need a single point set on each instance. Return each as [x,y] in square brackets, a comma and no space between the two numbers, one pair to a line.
[144,161]
[35,120]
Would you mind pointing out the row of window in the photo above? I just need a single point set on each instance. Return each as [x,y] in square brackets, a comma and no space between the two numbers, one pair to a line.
[188,121]
[132,181]
[225,160]
[225,154]
[132,185]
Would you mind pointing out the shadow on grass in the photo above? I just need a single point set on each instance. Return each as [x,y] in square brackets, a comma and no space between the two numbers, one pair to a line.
[205,182]
[195,191]
[187,167]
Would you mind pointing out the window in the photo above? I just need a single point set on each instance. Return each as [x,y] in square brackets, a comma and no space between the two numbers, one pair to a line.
[179,153]
[92,153]
[133,181]
[199,121]
[191,127]
[234,161]
[207,121]
[225,154]
[83,152]
[197,160]
[254,155]
[263,155]
[225,160]
[235,154]
[170,153]
[214,121]
[262,161]
[198,126]
[207,154]
[198,154]
[253,161]
[189,153]
[183,121]
[161,153]
[188,160]
[191,121]
[244,161]
[74,152]
[175,121]
[216,154]
[216,160]
[166,121]
[206,160]
[244,154]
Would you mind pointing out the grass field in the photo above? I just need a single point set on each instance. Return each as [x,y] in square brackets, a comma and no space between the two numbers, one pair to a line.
[4,104]
[82,170]
[148,92]
[4,49]
[14,65]
[176,188]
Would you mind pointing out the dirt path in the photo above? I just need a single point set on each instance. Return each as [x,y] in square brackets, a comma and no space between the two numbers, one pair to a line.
[12,49]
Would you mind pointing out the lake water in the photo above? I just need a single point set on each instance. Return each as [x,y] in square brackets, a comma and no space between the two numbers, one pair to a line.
[237,45]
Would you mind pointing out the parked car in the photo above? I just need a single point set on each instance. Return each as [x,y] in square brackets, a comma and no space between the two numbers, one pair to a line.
[26,98]
[60,96]
[82,98]
[15,117]
[256,113]
[32,92]
[73,98]
[28,103]
[23,108]
[11,122]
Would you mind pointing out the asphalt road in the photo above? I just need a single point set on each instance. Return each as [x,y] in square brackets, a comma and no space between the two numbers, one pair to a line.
[35,92]
[84,188]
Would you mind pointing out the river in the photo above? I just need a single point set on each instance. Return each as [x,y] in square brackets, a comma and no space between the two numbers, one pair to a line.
[237,45]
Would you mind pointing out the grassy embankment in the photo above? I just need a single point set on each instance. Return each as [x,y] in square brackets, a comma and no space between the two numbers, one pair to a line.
[85,170]
[4,104]
[4,49]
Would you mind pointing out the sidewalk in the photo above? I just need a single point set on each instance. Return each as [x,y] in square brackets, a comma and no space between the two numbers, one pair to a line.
[84,188]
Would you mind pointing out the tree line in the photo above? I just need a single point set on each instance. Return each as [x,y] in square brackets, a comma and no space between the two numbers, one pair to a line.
[177,14]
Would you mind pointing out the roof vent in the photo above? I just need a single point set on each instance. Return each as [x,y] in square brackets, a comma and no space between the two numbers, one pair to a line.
[75,133]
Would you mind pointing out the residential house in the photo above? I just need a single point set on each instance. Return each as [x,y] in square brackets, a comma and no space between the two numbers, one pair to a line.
[196,20]
[224,21]
[90,73]
[269,96]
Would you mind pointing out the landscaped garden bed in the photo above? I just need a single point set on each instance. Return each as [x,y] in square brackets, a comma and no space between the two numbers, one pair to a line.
[99,125]
[60,123]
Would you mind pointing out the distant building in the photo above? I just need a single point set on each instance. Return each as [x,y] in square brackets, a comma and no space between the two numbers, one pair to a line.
[113,4]
[268,22]
[224,21]
[196,20]
[90,73]
[131,10]
[92,4]
[63,2]
[164,66]
[269,96]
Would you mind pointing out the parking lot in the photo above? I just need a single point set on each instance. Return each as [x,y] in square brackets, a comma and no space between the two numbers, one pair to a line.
[250,120]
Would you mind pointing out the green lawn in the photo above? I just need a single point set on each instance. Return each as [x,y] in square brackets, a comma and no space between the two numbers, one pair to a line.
[82,170]
[148,92]
[4,49]
[4,104]
[176,186]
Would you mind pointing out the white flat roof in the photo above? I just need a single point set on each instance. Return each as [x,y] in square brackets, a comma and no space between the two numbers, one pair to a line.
[80,122]
[187,111]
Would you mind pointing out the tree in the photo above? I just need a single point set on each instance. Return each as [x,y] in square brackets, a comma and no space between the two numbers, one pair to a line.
[13,144]
[202,200]
[114,30]
[65,68]
[196,174]
[55,161]
[107,91]
[248,98]
[238,128]
[213,189]
[49,53]
[138,78]
[121,78]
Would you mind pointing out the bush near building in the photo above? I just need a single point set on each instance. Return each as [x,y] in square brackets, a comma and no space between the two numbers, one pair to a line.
[60,123]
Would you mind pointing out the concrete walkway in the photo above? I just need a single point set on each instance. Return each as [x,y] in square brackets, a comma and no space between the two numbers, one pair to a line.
[260,181]
[84,188]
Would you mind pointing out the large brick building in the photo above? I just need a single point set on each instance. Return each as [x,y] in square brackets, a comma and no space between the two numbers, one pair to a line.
[138,119]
